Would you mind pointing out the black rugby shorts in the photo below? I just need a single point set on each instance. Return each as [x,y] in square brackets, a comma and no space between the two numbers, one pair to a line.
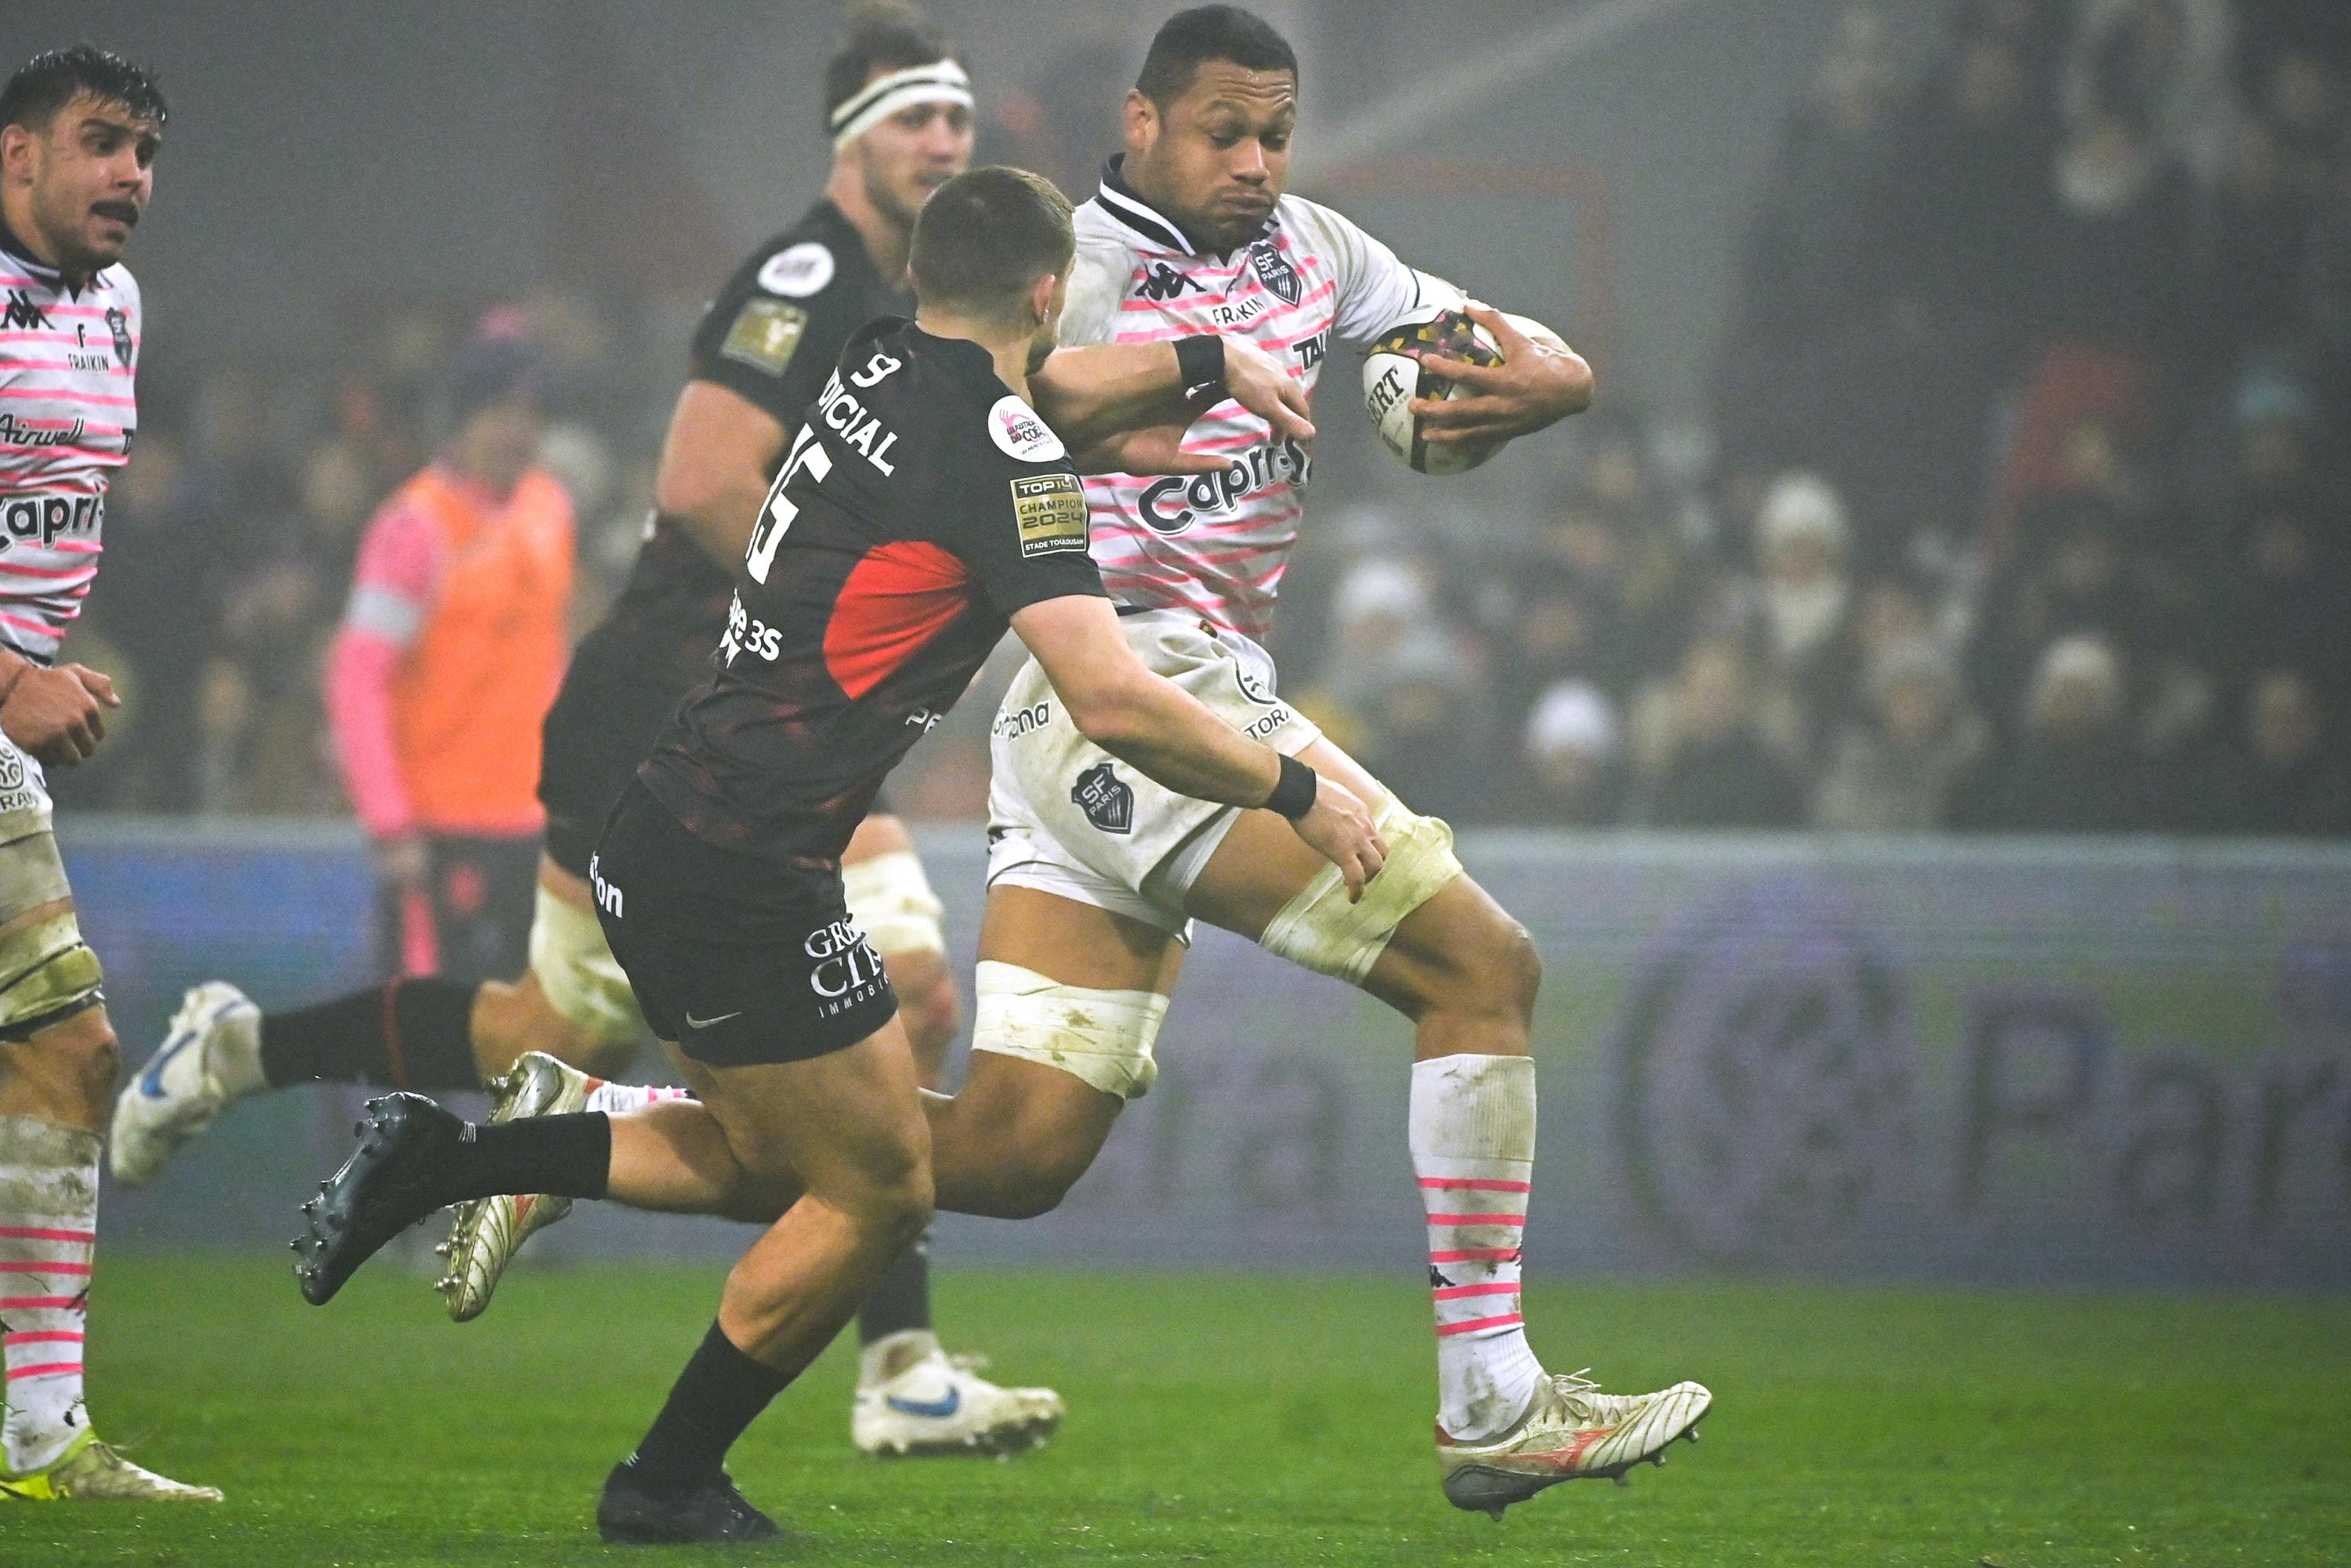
[737,960]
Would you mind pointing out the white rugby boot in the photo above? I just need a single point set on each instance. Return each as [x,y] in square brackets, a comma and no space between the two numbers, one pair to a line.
[486,1232]
[914,1399]
[90,1470]
[1572,1432]
[211,1058]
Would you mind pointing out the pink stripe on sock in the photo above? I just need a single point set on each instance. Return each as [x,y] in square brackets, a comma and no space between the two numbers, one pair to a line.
[44,1268]
[1473,1324]
[1476,1255]
[1476,1183]
[47,1369]
[42,1233]
[34,1303]
[45,1336]
[1492,1288]
[1477,1219]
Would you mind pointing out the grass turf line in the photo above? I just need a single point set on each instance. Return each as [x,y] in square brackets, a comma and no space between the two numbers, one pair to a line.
[1230,1418]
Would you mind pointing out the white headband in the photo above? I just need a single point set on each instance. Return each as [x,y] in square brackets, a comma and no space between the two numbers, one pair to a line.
[943,81]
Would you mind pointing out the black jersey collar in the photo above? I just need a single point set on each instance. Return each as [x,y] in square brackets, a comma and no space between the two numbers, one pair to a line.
[1119,200]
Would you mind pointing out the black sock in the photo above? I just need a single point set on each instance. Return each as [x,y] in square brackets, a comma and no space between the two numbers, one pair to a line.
[568,1157]
[413,1033]
[901,1298]
[719,1394]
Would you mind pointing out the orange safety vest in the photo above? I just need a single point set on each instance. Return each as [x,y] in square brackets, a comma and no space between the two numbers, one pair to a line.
[473,688]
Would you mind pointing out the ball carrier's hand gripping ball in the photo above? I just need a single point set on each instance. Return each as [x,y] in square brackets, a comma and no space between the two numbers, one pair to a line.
[1394,376]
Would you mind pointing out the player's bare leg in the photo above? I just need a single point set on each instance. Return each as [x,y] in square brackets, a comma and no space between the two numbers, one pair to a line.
[1466,974]
[57,1082]
[413,1032]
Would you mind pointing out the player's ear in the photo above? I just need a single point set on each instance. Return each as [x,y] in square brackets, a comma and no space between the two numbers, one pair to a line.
[15,149]
[1040,298]
[1142,120]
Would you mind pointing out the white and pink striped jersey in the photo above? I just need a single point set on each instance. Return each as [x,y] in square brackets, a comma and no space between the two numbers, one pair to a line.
[1217,546]
[67,356]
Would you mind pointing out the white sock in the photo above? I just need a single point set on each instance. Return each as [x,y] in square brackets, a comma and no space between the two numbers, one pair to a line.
[49,1231]
[1472,1130]
[612,1099]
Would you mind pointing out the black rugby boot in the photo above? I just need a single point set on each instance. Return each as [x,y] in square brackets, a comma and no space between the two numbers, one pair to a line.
[394,1178]
[632,1513]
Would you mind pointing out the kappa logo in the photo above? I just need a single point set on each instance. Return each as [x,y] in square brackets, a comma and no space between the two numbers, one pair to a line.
[1162,283]
[1107,800]
[23,315]
[1274,270]
[120,325]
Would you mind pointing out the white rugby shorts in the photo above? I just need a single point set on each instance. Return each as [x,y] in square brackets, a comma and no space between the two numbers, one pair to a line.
[1067,817]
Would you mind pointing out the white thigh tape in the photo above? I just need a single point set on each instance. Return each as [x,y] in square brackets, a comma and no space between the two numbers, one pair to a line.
[582,981]
[1319,930]
[31,874]
[1102,1038]
[893,904]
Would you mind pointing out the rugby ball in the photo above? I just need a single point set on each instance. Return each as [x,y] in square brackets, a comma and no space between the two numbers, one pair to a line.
[1393,377]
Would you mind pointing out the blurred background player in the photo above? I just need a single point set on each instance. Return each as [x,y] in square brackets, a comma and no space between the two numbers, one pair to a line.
[79,133]
[899,112]
[450,653]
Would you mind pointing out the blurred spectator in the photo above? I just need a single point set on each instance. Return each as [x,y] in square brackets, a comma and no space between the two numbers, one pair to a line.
[2073,768]
[1718,773]
[2286,592]
[2162,64]
[449,654]
[2285,774]
[1895,769]
[1806,603]
[2085,579]
[1571,770]
[1422,726]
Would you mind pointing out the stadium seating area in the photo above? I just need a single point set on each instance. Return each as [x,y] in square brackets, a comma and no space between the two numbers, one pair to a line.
[2021,504]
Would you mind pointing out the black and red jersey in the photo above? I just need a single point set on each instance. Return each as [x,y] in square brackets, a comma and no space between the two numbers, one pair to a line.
[920,505]
[769,336]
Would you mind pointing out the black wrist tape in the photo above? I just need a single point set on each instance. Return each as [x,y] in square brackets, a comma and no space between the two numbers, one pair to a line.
[1201,360]
[1293,792]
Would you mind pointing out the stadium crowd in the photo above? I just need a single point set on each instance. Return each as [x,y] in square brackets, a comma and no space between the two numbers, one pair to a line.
[2022,505]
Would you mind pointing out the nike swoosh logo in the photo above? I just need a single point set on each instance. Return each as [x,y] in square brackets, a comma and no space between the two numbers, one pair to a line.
[693,1022]
[150,1083]
[936,1409]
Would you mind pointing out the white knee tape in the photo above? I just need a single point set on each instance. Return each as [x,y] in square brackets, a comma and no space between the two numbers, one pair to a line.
[1319,930]
[892,904]
[580,979]
[1102,1038]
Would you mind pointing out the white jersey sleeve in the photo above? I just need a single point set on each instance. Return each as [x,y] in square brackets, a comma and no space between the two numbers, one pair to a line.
[1377,290]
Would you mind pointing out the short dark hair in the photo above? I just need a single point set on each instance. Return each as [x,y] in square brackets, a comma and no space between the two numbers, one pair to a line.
[878,35]
[985,237]
[1190,39]
[48,82]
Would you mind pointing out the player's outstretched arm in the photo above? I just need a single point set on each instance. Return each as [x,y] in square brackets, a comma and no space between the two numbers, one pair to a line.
[1540,382]
[1159,728]
[716,463]
[1123,407]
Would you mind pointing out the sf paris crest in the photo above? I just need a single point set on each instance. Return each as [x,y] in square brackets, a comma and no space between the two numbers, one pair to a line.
[1274,270]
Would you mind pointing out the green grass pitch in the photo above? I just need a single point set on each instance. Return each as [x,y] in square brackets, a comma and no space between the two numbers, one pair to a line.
[1230,1418]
